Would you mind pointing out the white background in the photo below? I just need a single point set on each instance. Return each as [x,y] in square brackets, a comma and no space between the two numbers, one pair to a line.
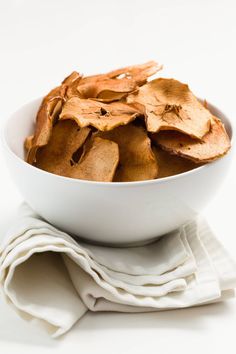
[43,41]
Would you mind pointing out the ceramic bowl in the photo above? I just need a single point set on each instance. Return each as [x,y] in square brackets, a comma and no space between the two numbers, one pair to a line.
[112,213]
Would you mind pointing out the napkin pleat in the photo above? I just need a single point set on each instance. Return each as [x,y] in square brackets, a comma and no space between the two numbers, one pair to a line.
[48,276]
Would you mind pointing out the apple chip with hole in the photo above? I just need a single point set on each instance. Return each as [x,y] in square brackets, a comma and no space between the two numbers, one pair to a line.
[97,114]
[170,105]
[137,161]
[65,141]
[213,145]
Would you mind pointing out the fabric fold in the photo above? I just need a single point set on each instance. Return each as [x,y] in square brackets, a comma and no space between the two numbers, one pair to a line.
[49,276]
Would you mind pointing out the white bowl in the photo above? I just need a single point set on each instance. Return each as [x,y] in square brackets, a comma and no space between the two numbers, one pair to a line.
[112,213]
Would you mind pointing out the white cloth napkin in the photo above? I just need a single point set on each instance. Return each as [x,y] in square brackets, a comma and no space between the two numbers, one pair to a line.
[47,275]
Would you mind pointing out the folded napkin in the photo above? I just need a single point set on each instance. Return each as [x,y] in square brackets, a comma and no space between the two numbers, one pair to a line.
[47,275]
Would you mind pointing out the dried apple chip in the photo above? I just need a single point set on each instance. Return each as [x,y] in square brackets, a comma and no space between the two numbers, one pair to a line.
[66,139]
[72,81]
[185,132]
[28,142]
[139,73]
[170,165]
[170,105]
[116,84]
[110,96]
[100,115]
[46,117]
[137,161]
[71,78]
[105,88]
[99,161]
[213,145]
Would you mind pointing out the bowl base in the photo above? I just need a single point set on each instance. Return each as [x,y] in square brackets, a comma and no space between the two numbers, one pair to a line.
[117,245]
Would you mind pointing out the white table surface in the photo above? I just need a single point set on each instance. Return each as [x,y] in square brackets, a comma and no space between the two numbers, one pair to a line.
[43,41]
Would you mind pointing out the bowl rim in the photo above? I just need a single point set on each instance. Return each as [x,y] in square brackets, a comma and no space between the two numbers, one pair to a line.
[3,136]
